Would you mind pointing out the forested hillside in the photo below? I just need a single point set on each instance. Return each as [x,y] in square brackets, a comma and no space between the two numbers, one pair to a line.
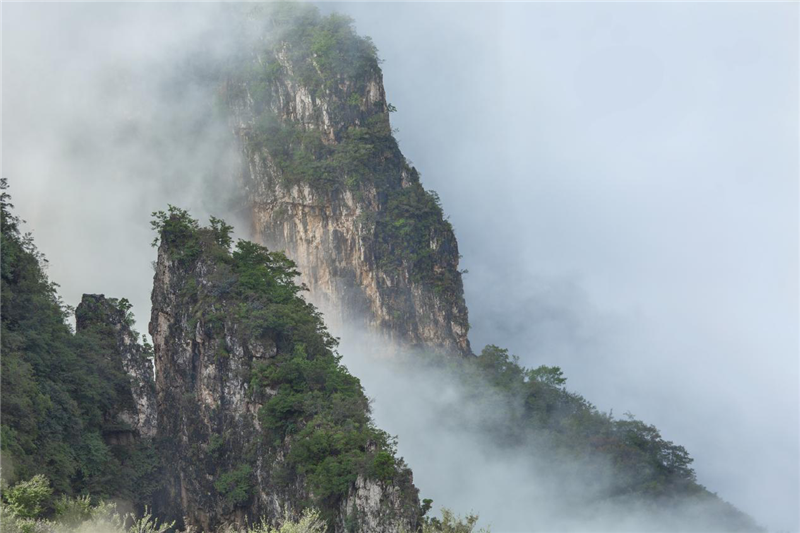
[62,392]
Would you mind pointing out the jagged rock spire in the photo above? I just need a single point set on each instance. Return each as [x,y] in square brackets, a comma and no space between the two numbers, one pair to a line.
[326,182]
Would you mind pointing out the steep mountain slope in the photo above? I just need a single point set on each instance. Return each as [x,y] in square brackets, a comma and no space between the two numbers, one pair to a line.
[581,469]
[251,416]
[256,417]
[326,182]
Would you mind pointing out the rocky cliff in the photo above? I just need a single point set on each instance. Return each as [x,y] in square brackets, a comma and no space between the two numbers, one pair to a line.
[136,417]
[256,417]
[326,182]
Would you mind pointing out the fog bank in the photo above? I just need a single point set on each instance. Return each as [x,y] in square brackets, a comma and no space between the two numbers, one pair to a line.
[623,182]
[622,179]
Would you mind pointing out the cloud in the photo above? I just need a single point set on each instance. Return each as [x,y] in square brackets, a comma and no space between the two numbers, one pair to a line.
[622,179]
[107,118]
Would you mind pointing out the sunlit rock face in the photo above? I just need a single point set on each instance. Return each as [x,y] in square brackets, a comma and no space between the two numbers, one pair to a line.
[137,417]
[326,182]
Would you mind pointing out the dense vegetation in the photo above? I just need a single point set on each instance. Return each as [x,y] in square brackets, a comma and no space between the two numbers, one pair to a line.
[21,510]
[61,390]
[308,399]
[20,514]
[363,153]
[539,403]
[530,411]
[58,388]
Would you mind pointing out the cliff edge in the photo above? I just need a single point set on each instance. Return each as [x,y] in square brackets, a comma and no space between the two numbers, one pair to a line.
[326,181]
[257,419]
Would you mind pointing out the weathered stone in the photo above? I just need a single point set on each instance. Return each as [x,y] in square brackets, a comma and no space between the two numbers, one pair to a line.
[208,419]
[327,233]
[95,310]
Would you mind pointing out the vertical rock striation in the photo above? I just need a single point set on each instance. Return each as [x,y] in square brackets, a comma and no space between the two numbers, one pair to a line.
[326,182]
[98,314]
[257,419]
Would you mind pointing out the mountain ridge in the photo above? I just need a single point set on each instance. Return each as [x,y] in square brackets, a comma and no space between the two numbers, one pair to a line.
[256,418]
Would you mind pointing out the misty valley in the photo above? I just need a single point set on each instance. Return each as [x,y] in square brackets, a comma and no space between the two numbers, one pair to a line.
[324,273]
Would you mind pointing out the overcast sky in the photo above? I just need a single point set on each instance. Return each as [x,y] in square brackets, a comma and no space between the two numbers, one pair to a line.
[622,178]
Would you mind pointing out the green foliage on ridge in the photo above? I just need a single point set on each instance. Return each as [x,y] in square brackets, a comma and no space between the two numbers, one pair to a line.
[411,236]
[332,62]
[363,154]
[532,412]
[312,409]
[644,463]
[323,50]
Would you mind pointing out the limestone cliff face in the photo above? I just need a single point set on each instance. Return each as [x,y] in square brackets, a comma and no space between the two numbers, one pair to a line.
[244,383]
[326,182]
[98,313]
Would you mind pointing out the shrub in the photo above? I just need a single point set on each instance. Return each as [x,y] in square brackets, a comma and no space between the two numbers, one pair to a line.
[27,499]
[383,466]
[80,518]
[310,522]
[74,510]
[451,523]
[179,230]
[235,486]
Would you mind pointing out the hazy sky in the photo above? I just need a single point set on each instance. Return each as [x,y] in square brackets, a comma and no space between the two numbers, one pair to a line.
[622,178]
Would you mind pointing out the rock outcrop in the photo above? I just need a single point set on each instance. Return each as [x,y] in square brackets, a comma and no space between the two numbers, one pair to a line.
[110,318]
[326,182]
[256,417]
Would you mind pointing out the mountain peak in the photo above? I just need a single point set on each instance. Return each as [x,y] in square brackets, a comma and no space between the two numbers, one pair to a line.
[325,181]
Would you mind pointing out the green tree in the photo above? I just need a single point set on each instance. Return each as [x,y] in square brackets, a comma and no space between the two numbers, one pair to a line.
[27,499]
